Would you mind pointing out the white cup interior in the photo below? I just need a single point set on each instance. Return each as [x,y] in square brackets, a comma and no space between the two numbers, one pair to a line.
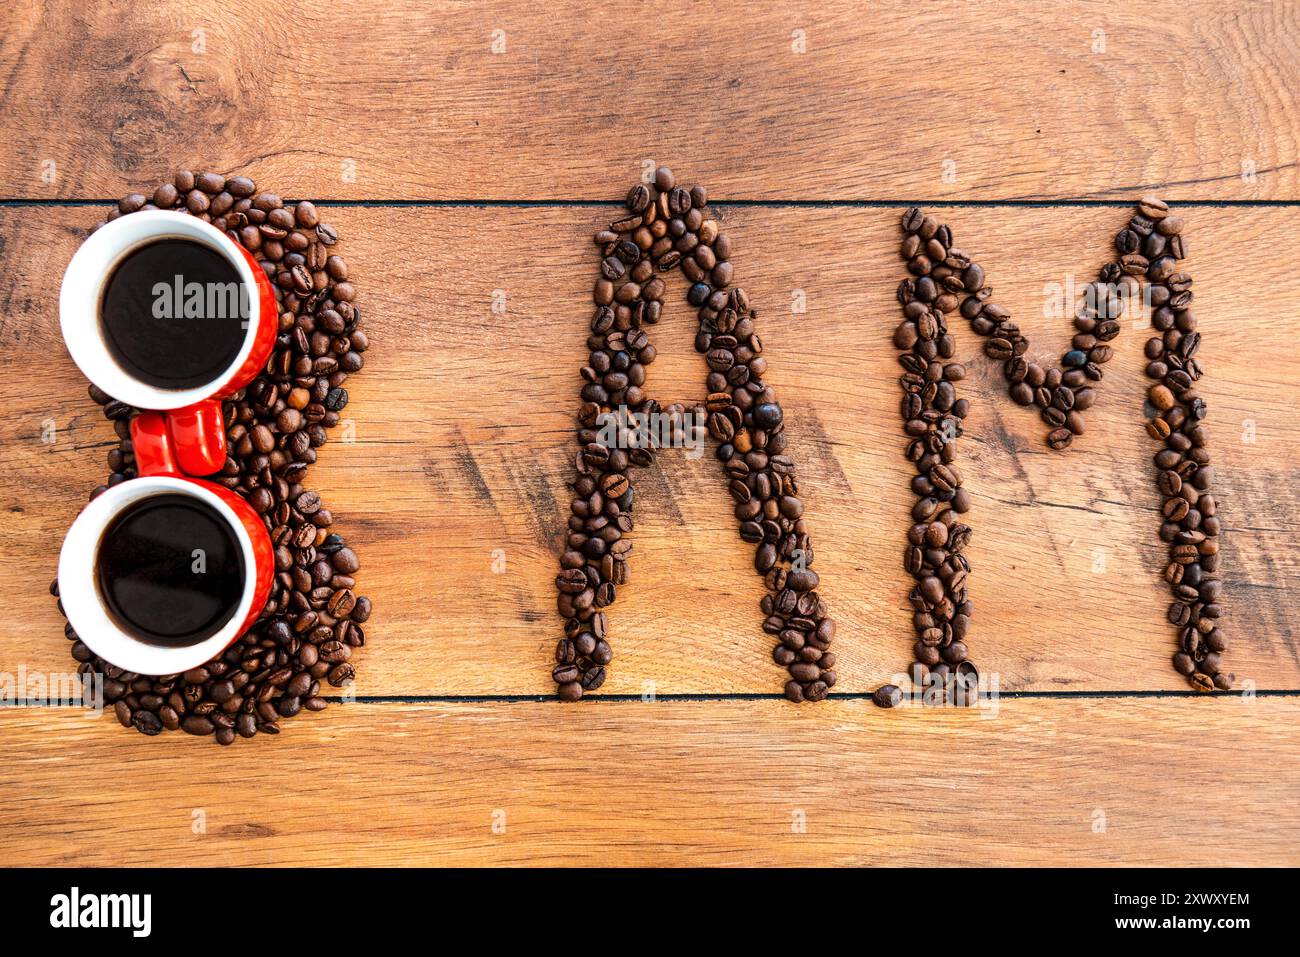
[85,607]
[83,285]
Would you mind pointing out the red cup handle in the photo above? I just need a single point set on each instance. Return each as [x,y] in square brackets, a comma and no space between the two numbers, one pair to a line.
[188,441]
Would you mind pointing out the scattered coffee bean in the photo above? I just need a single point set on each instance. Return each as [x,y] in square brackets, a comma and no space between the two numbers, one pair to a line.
[888,696]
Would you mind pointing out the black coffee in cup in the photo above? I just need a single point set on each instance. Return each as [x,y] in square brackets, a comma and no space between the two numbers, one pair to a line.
[174,313]
[170,570]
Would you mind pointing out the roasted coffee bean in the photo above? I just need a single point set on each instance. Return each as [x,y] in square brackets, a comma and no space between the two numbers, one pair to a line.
[147,722]
[1059,439]
[888,696]
[273,429]
[197,725]
[671,226]
[639,198]
[932,413]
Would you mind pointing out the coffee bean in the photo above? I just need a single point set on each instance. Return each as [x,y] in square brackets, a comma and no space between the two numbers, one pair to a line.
[768,415]
[1153,208]
[638,198]
[614,485]
[1059,439]
[1161,397]
[887,696]
[345,560]
[147,722]
[197,725]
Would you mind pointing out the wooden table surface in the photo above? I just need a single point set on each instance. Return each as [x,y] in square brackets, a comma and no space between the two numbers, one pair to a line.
[468,151]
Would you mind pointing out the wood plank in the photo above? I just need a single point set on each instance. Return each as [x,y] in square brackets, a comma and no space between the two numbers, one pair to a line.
[1083,99]
[1095,782]
[462,448]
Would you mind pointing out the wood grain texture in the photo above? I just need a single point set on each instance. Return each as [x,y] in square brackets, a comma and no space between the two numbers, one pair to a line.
[462,421]
[350,99]
[1098,782]
[463,447]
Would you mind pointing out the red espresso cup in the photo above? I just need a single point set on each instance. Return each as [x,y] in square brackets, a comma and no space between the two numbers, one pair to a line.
[177,438]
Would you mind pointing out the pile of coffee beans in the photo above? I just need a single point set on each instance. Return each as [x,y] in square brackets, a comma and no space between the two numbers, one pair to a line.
[944,280]
[313,618]
[1184,473]
[668,226]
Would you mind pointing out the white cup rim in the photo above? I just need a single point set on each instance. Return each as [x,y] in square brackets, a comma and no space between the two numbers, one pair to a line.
[83,282]
[84,605]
